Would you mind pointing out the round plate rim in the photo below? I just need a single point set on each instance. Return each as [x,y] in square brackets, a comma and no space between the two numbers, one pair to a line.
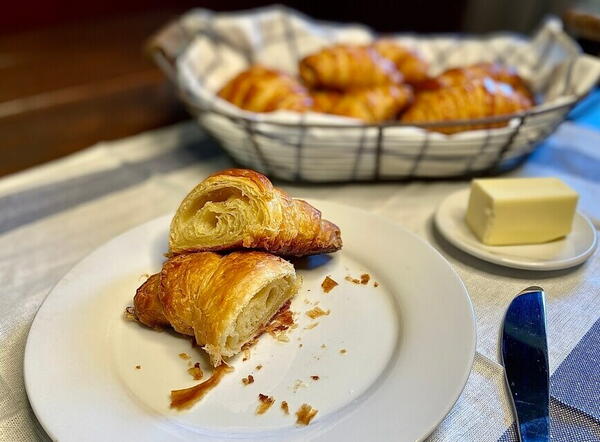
[504,260]
[27,360]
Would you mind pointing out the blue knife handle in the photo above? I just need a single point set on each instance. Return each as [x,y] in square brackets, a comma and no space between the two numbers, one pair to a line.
[525,359]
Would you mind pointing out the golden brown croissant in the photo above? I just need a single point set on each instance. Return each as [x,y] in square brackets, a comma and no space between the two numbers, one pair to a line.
[495,71]
[476,99]
[344,67]
[324,100]
[260,89]
[408,61]
[374,104]
[240,208]
[223,301]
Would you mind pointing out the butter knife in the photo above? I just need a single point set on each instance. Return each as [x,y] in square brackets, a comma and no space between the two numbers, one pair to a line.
[525,360]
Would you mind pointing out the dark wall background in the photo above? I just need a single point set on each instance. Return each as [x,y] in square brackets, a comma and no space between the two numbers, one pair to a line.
[383,15]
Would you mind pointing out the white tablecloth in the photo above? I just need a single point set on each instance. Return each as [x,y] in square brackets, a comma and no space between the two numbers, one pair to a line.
[53,215]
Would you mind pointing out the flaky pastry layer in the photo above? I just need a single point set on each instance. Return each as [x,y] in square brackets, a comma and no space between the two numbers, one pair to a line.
[223,301]
[240,208]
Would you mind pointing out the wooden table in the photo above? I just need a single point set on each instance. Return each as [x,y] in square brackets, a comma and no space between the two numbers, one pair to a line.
[65,88]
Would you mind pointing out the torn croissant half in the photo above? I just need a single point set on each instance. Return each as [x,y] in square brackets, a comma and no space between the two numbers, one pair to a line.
[222,301]
[240,208]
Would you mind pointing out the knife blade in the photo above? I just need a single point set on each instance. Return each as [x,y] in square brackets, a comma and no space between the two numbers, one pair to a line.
[525,360]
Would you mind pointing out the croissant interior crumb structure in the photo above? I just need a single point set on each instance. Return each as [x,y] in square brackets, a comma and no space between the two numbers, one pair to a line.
[224,302]
[240,208]
[305,414]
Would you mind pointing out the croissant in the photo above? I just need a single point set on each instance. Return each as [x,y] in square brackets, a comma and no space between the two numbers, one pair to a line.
[374,104]
[222,301]
[241,208]
[476,99]
[325,100]
[408,61]
[495,71]
[260,89]
[344,67]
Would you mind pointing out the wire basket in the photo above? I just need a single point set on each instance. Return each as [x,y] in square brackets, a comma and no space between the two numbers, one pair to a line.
[302,150]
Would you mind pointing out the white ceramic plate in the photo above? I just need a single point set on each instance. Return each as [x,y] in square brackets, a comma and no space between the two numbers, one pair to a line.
[570,251]
[409,347]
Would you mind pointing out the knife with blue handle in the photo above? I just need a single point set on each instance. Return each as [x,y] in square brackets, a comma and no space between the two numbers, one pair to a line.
[525,360]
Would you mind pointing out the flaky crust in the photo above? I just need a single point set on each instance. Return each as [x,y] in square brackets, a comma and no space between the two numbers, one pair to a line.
[480,71]
[373,104]
[344,67]
[476,99]
[324,100]
[240,208]
[224,302]
[408,61]
[260,89]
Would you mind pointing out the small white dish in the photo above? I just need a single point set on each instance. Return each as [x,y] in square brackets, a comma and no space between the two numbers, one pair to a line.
[567,252]
[409,344]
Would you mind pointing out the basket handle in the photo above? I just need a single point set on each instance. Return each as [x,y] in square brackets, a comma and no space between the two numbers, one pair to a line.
[167,44]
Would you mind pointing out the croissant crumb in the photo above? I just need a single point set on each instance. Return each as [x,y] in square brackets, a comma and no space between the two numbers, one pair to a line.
[316,312]
[196,371]
[328,284]
[305,414]
[265,403]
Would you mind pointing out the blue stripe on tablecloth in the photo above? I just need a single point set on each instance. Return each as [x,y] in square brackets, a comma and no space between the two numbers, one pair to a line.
[576,382]
[33,204]
[564,159]
[567,425]
[575,394]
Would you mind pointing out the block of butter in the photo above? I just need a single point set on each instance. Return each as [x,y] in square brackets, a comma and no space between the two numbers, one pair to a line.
[505,211]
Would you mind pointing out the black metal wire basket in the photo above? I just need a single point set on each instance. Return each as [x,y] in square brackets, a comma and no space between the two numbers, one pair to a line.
[304,151]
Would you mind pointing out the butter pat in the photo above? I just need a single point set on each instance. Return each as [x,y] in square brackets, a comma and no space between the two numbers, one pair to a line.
[505,211]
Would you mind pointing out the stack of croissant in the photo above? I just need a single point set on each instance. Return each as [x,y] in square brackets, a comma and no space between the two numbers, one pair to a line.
[382,81]
[224,279]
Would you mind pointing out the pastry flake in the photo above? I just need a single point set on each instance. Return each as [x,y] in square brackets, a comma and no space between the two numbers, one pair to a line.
[305,414]
[265,403]
[328,284]
[316,312]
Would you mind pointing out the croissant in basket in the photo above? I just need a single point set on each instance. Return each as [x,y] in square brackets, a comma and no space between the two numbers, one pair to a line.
[495,71]
[324,100]
[260,89]
[374,104]
[476,99]
[408,61]
[239,208]
[223,301]
[343,67]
